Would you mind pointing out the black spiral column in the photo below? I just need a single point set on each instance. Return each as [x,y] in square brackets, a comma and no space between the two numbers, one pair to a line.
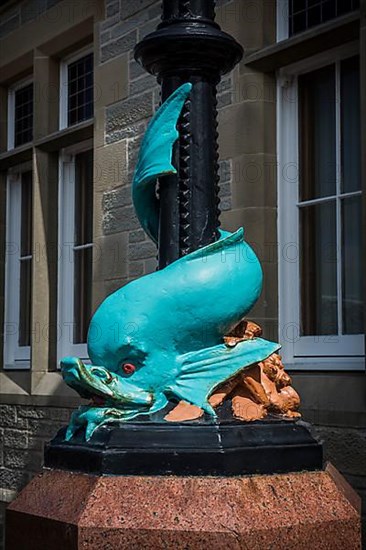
[189,46]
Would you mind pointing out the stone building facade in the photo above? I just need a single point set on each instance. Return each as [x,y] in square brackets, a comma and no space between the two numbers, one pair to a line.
[41,43]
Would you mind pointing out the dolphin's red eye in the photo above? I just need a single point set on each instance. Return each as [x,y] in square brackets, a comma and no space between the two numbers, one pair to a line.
[128,368]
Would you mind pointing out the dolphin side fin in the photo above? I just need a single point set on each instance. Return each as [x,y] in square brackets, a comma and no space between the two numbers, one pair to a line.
[155,159]
[202,371]
[160,402]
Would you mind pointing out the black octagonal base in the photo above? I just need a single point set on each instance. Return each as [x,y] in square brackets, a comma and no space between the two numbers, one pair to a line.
[195,449]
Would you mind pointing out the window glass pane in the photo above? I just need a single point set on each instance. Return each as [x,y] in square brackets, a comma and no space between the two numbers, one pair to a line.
[82,293]
[83,236]
[305,14]
[317,134]
[25,300]
[23,115]
[318,269]
[345,6]
[25,290]
[80,90]
[352,299]
[314,15]
[328,10]
[298,5]
[84,198]
[350,121]
[26,215]
[298,22]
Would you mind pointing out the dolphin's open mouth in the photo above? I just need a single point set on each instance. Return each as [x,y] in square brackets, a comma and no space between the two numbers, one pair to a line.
[97,401]
[103,387]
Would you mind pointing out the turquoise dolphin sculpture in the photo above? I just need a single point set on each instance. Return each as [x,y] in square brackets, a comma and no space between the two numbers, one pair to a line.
[160,338]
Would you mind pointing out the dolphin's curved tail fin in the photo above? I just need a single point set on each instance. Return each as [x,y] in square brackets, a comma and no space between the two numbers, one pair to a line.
[155,159]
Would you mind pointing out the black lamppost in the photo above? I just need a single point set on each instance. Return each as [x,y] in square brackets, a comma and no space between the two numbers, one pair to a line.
[189,46]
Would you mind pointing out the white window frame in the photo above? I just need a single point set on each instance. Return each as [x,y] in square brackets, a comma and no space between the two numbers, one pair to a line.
[338,352]
[66,224]
[11,110]
[282,20]
[64,96]
[15,356]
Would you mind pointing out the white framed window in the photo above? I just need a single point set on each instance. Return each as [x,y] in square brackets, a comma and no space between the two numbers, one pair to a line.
[20,114]
[18,270]
[76,88]
[296,16]
[76,249]
[319,211]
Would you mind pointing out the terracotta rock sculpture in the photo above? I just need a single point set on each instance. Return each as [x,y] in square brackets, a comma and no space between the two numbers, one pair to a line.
[258,390]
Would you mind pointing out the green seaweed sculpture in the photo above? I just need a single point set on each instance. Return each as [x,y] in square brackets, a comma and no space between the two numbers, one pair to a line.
[169,344]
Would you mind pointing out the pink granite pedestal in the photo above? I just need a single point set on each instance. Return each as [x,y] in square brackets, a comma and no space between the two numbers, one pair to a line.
[63,510]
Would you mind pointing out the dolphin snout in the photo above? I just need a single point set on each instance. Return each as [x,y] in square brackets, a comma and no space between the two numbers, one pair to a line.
[87,380]
[92,380]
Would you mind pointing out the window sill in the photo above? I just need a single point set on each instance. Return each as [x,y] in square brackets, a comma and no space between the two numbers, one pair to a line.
[66,137]
[18,366]
[16,156]
[29,388]
[344,364]
[53,142]
[305,44]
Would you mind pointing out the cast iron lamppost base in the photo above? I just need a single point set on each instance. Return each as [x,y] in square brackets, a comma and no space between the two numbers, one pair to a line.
[189,46]
[191,449]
